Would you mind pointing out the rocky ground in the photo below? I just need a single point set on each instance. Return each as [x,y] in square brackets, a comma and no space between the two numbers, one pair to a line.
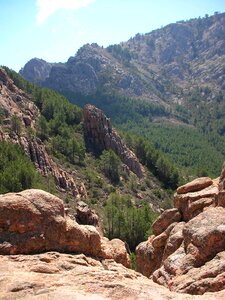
[55,275]
[44,254]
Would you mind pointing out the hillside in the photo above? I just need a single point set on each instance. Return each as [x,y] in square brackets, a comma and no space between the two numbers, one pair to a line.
[169,82]
[78,155]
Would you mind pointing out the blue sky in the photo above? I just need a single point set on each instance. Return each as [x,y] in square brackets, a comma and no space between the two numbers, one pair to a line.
[55,29]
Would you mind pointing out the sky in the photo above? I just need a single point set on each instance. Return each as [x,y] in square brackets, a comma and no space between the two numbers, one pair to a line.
[55,29]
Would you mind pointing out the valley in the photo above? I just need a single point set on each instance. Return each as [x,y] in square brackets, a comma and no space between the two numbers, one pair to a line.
[113,161]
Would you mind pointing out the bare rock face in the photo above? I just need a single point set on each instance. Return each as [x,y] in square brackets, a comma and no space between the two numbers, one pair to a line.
[34,221]
[100,135]
[36,70]
[14,101]
[186,252]
[55,276]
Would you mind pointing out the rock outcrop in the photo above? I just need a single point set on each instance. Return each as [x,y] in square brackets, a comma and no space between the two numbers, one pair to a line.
[14,101]
[99,136]
[34,221]
[187,249]
[37,70]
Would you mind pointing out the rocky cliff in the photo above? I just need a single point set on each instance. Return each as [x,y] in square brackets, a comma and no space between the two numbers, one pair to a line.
[99,136]
[37,70]
[14,102]
[186,252]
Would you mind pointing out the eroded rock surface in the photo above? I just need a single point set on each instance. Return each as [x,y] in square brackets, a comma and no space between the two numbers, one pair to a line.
[186,252]
[100,135]
[55,276]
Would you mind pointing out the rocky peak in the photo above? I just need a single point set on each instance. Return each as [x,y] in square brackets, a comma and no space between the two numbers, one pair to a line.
[36,70]
[99,136]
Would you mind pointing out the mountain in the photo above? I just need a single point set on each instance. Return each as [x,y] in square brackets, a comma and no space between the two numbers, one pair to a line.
[166,85]
[179,54]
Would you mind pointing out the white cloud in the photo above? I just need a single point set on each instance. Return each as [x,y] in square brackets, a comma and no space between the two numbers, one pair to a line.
[46,8]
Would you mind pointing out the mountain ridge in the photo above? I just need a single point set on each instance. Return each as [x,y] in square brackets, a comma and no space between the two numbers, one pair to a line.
[169,50]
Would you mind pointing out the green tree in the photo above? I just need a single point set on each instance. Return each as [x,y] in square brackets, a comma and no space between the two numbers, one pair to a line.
[16,170]
[125,221]
[110,165]
[42,128]
[16,124]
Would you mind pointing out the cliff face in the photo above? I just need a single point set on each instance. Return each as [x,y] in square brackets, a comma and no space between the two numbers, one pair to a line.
[37,70]
[100,135]
[186,252]
[14,101]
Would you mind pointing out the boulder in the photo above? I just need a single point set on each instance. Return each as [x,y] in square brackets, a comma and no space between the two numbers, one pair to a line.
[165,219]
[148,258]
[191,203]
[34,221]
[85,215]
[208,278]
[195,185]
[115,249]
[174,240]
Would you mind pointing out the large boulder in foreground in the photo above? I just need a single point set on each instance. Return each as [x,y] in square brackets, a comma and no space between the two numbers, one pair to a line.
[34,221]
[186,252]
